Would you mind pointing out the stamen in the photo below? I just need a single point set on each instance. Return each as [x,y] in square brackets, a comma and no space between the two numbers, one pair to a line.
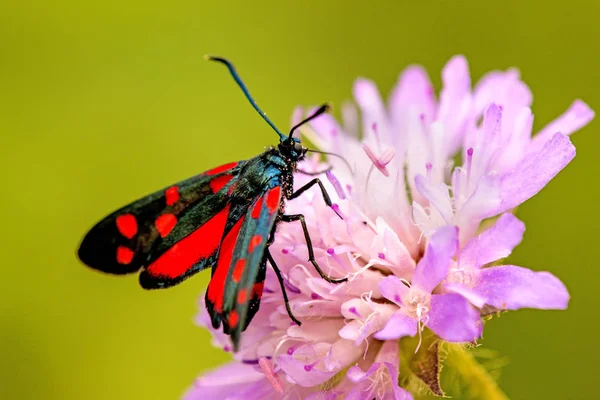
[382,161]
[336,184]
[267,367]
[337,259]
[366,297]
[381,255]
[283,339]
[309,367]
[360,271]
[354,311]
[335,207]
[428,167]
[469,164]
[420,328]
[420,301]
[366,348]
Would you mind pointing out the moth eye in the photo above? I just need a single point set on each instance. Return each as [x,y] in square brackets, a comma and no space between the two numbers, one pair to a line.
[298,147]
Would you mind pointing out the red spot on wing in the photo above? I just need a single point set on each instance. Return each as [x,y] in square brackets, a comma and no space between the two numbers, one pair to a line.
[220,169]
[217,183]
[234,318]
[255,241]
[257,208]
[165,224]
[238,270]
[124,255]
[200,244]
[216,287]
[127,225]
[242,296]
[172,195]
[273,199]
[257,289]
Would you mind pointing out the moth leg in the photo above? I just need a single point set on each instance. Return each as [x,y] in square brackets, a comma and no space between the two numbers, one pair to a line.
[311,253]
[313,173]
[326,197]
[283,291]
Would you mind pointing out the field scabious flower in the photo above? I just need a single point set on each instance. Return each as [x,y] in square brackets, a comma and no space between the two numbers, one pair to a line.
[411,241]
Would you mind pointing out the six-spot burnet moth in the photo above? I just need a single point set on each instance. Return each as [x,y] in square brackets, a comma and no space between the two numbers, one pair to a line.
[224,218]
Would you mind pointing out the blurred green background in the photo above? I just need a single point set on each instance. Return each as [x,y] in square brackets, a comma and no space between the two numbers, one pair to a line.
[102,102]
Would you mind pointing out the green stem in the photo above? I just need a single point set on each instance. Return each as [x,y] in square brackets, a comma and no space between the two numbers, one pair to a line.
[479,384]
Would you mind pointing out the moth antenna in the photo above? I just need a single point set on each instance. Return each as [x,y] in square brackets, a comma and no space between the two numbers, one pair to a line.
[335,155]
[242,86]
[323,109]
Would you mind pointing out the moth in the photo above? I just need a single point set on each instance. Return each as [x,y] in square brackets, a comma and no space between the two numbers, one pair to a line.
[224,218]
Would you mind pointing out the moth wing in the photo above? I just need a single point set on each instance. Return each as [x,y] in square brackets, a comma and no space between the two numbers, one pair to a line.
[234,292]
[173,232]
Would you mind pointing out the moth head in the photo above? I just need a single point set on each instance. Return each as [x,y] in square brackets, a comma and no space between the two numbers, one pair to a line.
[292,148]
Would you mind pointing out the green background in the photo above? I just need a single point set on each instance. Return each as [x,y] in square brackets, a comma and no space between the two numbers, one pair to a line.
[103,101]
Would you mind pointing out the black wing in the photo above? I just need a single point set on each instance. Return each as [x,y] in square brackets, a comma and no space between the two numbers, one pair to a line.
[173,232]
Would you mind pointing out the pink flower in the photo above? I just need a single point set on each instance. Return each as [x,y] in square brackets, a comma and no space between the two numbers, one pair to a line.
[504,287]
[410,241]
[448,315]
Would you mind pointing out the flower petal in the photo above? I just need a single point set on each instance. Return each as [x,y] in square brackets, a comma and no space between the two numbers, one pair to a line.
[433,267]
[413,90]
[516,142]
[301,373]
[323,395]
[453,319]
[342,354]
[473,297]
[350,119]
[509,287]
[484,202]
[325,131]
[576,117]
[297,115]
[493,244]
[393,289]
[383,389]
[424,221]
[501,87]
[373,109]
[455,101]
[233,381]
[534,172]
[437,195]
[399,325]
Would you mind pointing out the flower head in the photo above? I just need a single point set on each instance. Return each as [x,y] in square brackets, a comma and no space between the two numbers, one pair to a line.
[410,241]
